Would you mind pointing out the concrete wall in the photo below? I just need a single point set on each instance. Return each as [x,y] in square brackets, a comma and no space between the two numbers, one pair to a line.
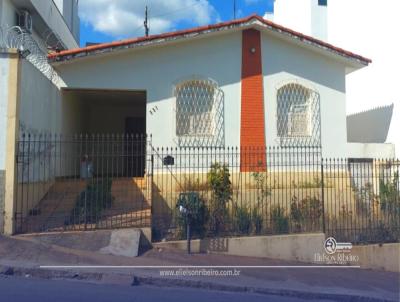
[379,256]
[298,247]
[40,102]
[357,150]
[371,126]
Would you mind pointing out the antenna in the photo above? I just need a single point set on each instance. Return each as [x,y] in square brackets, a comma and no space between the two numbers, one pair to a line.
[234,9]
[145,23]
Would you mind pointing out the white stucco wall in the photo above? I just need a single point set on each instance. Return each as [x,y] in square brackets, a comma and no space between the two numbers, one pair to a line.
[157,69]
[40,102]
[282,63]
[382,151]
[4,67]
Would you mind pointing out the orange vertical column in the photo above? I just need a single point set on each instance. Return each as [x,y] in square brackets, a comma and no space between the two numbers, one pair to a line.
[252,123]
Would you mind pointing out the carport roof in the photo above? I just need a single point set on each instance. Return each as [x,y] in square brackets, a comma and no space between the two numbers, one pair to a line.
[188,33]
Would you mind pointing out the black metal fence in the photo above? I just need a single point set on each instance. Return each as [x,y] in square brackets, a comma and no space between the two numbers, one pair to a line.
[89,182]
[255,191]
[81,182]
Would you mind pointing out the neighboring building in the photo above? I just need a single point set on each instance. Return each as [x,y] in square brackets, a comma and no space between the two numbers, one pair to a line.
[51,23]
[371,126]
[309,17]
[323,19]
[28,28]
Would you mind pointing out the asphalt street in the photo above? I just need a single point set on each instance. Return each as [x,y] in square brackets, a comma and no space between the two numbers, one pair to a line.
[18,289]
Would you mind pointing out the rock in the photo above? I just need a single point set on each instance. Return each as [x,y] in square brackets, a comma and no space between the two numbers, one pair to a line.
[135,281]
[9,271]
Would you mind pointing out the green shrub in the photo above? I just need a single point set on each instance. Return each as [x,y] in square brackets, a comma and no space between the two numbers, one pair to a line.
[364,199]
[242,220]
[257,219]
[92,201]
[389,196]
[306,213]
[218,179]
[199,215]
[279,220]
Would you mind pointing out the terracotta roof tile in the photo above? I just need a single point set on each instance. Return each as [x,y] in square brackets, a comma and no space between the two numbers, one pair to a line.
[71,52]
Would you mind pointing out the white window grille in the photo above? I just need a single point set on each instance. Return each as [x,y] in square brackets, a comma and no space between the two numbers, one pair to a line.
[298,116]
[299,120]
[199,113]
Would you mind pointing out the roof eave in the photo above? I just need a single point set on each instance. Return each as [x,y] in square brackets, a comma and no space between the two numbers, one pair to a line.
[353,61]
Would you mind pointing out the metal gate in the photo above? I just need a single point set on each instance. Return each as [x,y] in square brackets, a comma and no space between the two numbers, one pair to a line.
[82,182]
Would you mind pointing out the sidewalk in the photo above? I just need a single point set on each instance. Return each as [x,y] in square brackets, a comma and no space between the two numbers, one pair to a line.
[23,256]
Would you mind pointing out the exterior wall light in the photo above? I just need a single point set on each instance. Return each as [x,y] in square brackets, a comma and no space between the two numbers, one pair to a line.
[252,50]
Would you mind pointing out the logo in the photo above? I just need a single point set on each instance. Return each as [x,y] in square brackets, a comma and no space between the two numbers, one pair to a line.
[330,245]
[336,253]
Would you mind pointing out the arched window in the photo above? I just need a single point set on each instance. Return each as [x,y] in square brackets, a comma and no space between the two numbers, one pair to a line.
[199,113]
[298,116]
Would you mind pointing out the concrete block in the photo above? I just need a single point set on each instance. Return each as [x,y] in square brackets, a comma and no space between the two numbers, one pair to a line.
[123,242]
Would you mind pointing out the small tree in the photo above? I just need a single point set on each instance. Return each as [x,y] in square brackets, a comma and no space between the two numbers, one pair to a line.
[263,191]
[218,179]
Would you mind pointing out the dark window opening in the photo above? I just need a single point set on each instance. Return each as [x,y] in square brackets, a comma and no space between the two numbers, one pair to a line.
[323,2]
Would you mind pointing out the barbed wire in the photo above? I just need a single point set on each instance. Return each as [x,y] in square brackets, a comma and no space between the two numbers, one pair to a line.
[22,40]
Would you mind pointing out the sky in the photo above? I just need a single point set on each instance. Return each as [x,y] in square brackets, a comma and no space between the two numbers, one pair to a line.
[108,20]
[370,28]
[361,26]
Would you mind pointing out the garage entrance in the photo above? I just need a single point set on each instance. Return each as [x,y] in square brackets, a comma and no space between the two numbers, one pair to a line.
[91,176]
[110,113]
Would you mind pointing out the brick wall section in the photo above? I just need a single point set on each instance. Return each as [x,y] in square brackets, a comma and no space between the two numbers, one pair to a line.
[2,192]
[252,123]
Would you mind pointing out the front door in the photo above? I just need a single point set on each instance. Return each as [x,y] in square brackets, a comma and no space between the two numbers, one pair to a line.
[135,146]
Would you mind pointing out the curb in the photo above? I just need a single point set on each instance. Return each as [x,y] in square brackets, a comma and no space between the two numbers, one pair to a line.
[135,280]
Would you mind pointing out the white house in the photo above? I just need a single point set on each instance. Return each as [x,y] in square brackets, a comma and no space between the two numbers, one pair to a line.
[246,83]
